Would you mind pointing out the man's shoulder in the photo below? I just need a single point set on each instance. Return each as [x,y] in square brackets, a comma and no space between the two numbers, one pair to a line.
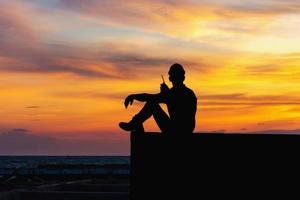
[190,91]
[185,90]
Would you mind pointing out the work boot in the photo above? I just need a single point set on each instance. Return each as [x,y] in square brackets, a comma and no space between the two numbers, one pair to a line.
[129,126]
[133,125]
[126,126]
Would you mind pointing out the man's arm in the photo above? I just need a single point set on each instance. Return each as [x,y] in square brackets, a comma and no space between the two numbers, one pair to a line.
[143,97]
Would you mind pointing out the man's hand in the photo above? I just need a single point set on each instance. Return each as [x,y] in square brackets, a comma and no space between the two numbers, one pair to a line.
[129,100]
[164,88]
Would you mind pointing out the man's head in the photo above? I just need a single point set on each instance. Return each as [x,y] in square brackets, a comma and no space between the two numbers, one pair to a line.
[176,74]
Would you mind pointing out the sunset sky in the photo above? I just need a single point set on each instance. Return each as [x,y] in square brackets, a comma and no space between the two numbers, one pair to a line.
[67,65]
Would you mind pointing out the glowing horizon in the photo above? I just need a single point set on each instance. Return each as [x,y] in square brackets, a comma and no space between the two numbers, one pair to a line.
[67,65]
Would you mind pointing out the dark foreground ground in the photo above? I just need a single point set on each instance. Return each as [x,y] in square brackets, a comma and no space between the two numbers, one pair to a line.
[67,188]
[66,182]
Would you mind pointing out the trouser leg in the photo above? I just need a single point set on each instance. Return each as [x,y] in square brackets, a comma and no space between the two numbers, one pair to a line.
[160,117]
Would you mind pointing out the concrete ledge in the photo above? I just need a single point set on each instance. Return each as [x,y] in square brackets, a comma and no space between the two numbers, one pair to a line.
[218,165]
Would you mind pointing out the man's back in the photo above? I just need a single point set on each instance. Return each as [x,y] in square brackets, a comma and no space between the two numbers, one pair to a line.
[182,107]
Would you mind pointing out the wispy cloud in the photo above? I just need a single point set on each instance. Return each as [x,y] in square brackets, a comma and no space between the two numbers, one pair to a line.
[19,130]
[175,17]
[241,99]
[32,107]
[23,50]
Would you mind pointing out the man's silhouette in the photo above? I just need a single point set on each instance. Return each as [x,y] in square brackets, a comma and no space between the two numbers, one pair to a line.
[181,102]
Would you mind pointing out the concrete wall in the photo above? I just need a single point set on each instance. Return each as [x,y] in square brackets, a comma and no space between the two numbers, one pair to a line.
[218,165]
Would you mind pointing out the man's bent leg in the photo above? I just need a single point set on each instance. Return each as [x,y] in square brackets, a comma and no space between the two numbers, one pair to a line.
[136,124]
[150,108]
[144,114]
[161,118]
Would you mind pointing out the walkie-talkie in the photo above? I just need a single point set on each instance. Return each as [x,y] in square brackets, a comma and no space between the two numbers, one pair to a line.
[163,79]
[163,87]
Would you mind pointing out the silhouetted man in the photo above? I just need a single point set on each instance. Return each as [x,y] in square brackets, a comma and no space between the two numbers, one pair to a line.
[181,102]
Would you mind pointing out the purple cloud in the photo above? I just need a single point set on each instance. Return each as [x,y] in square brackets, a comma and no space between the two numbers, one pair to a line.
[22,142]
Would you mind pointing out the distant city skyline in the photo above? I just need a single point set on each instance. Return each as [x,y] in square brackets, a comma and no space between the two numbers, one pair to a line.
[67,65]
